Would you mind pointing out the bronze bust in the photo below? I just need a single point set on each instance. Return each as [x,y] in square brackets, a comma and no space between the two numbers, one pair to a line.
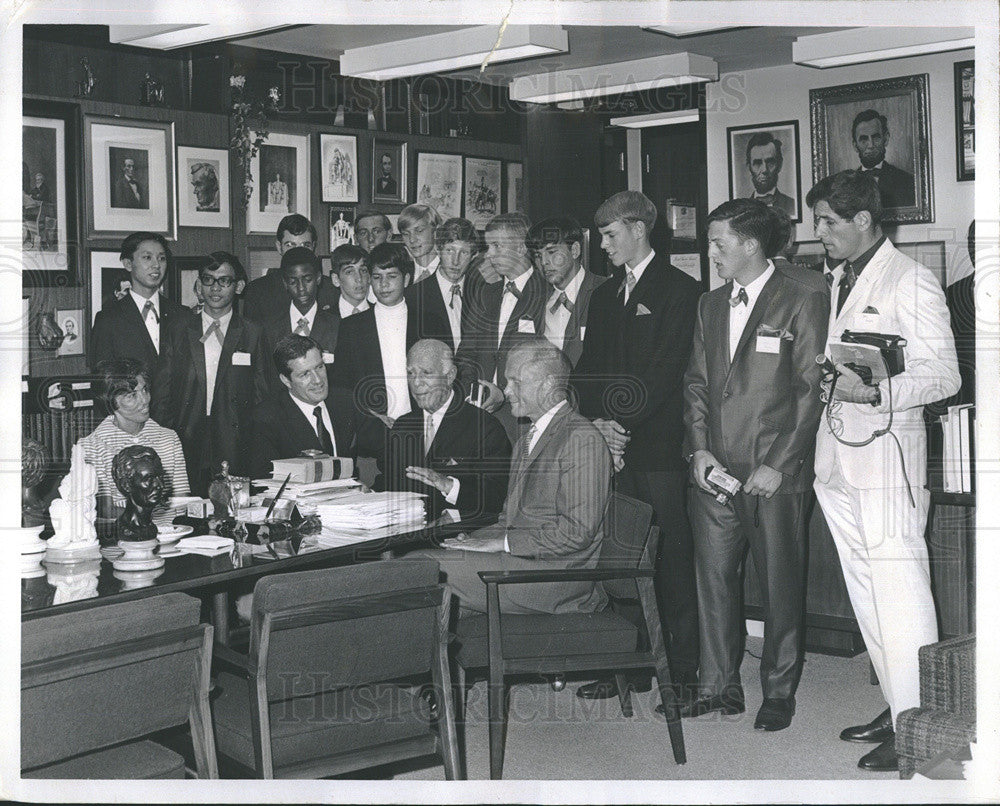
[139,475]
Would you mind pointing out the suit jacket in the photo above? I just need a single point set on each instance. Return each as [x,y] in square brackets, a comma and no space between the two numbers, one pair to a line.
[266,297]
[470,445]
[577,324]
[632,366]
[761,408]
[181,390]
[554,513]
[124,197]
[479,357]
[119,332]
[280,430]
[896,186]
[432,308]
[897,296]
[325,331]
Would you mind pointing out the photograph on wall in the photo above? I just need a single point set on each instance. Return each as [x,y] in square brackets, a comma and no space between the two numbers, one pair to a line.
[965,119]
[339,167]
[280,182]
[130,177]
[880,126]
[388,171]
[764,164]
[482,190]
[341,225]
[71,324]
[515,187]
[439,182]
[109,280]
[202,187]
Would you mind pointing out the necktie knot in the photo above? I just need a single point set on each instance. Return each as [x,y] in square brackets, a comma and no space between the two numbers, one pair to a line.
[739,297]
[302,328]
[456,292]
[828,276]
[212,328]
[847,281]
[148,308]
[630,280]
[511,288]
[355,309]
[564,301]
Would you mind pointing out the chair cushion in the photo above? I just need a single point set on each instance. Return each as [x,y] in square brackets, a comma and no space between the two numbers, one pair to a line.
[305,728]
[135,761]
[545,634]
[922,733]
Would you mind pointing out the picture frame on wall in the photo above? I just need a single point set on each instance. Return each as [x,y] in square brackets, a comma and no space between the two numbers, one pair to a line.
[49,182]
[764,163]
[388,171]
[71,323]
[202,187]
[965,119]
[182,278]
[515,187]
[109,280]
[341,225]
[882,124]
[439,182]
[130,181]
[339,167]
[482,190]
[281,182]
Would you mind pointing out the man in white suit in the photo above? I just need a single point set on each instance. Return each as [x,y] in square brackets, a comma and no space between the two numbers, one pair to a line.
[873,494]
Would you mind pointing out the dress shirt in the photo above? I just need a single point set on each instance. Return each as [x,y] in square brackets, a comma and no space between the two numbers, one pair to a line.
[878,167]
[740,314]
[391,326]
[556,323]
[454,313]
[152,323]
[423,272]
[509,301]
[294,315]
[213,352]
[432,422]
[307,410]
[347,307]
[637,271]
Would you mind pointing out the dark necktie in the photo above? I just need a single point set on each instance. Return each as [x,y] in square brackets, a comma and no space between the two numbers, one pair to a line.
[511,288]
[212,328]
[847,281]
[456,292]
[321,432]
[828,276]
[149,308]
[564,301]
[741,296]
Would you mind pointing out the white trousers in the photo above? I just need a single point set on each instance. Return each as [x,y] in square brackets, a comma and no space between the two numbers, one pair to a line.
[883,553]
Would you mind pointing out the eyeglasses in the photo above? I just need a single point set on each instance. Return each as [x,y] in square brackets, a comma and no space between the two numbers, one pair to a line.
[208,281]
[368,233]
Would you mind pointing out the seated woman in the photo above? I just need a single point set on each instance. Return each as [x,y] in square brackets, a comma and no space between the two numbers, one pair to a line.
[124,386]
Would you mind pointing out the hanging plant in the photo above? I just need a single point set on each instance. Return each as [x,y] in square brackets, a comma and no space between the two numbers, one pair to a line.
[250,127]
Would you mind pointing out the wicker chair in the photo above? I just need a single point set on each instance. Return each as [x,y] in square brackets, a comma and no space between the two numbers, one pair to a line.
[946,718]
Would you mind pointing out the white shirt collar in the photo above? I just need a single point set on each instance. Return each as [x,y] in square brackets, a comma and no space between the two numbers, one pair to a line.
[438,414]
[879,166]
[545,419]
[521,280]
[141,301]
[347,307]
[640,267]
[224,320]
[310,315]
[573,289]
[445,284]
[307,410]
[753,289]
[430,268]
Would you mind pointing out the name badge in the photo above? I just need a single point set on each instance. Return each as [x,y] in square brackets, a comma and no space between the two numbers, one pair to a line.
[768,344]
[327,358]
[241,359]
[525,326]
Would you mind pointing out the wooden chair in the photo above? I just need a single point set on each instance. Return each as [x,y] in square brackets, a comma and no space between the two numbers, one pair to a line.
[575,642]
[95,683]
[330,681]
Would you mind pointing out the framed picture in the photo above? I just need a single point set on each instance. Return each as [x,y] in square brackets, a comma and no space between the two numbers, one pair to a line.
[764,164]
[338,156]
[808,254]
[394,234]
[281,181]
[515,187]
[388,171]
[130,181]
[71,323]
[183,278]
[482,190]
[109,280]
[202,187]
[341,225]
[439,182]
[49,158]
[965,119]
[879,125]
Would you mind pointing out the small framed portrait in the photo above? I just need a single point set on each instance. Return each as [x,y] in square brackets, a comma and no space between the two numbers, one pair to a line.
[183,281]
[71,324]
[202,187]
[439,182]
[341,225]
[130,181]
[764,164]
[482,190]
[281,182]
[965,119]
[49,137]
[388,171]
[515,187]
[109,280]
[879,126]
[339,167]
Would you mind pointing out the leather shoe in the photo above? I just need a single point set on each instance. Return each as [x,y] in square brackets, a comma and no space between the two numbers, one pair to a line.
[775,714]
[728,704]
[882,759]
[875,732]
[605,689]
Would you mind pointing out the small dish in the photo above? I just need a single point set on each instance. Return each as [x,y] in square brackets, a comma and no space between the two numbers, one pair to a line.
[173,533]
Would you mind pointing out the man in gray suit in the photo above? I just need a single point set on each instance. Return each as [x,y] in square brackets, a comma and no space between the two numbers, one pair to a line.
[560,483]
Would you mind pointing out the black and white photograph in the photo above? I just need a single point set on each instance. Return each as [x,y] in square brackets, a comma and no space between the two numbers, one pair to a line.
[341,225]
[109,280]
[482,190]
[965,119]
[439,182]
[764,165]
[339,167]
[202,187]
[71,324]
[281,181]
[388,160]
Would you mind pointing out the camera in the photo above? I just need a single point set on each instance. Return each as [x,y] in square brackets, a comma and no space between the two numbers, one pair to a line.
[725,486]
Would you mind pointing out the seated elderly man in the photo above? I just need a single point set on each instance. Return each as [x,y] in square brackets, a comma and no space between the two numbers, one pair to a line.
[453,451]
[560,483]
[124,386]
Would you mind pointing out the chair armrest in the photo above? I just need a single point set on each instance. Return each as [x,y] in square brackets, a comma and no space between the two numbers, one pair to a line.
[562,575]
[232,661]
[948,675]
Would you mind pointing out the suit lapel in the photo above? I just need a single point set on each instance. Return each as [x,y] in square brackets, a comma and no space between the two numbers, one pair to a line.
[132,312]
[234,334]
[716,326]
[759,311]
[198,353]
[863,286]
[302,431]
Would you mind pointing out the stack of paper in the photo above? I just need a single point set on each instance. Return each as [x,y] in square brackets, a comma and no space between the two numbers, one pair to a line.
[357,510]
[958,454]
[312,492]
[207,545]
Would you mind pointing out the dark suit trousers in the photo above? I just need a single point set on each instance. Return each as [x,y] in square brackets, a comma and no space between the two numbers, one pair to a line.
[674,580]
[777,542]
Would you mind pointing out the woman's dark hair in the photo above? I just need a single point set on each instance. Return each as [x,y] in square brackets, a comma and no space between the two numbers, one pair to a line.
[119,376]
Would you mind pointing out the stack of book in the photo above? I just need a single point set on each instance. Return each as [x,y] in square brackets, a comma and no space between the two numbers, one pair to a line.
[958,426]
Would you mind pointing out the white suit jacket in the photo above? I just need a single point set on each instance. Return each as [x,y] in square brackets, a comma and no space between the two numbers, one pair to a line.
[895,296]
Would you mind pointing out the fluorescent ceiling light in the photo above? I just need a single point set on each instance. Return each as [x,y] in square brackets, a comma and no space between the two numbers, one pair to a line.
[167,37]
[657,119]
[612,79]
[689,30]
[859,45]
[454,50]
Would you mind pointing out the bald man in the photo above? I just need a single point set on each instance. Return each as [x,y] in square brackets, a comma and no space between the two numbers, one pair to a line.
[454,452]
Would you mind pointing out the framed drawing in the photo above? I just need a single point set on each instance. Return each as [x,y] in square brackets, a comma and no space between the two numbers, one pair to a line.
[49,158]
[281,181]
[482,190]
[202,187]
[388,171]
[515,187]
[71,323]
[338,156]
[883,126]
[130,181]
[341,225]
[109,280]
[439,182]
[965,119]
[764,164]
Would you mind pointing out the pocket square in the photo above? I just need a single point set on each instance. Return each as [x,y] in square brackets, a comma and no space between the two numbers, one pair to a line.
[870,309]
[642,310]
